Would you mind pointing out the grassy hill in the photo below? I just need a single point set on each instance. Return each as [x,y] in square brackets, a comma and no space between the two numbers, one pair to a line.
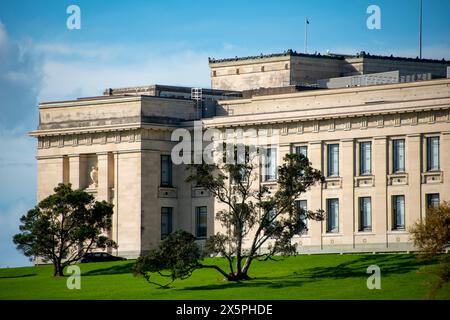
[300,277]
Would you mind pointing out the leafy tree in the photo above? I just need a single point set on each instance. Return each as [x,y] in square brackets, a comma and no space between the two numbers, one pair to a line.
[432,237]
[63,227]
[252,211]
[176,257]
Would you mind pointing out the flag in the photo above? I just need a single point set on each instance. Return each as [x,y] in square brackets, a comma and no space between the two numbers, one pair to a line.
[307,21]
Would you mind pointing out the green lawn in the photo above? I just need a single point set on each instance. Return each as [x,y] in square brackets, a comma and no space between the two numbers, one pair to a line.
[300,277]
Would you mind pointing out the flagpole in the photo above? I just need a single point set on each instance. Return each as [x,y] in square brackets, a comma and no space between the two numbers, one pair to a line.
[420,29]
[306,34]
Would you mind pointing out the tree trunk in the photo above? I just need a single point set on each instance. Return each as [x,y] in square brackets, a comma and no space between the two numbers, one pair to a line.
[57,269]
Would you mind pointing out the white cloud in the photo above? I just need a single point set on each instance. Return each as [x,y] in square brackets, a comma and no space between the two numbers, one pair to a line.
[71,72]
[20,81]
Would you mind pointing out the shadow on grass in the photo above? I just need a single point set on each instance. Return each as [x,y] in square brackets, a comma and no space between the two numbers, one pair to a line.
[357,268]
[389,264]
[116,269]
[19,276]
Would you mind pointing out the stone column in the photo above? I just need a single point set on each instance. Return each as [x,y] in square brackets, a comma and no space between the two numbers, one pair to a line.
[380,215]
[103,175]
[413,201]
[316,227]
[347,217]
[74,171]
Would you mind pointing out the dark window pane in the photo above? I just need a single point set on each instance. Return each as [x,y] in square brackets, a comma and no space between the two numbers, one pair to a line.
[166,171]
[398,206]
[365,209]
[333,215]
[302,150]
[270,164]
[433,200]
[432,153]
[201,221]
[365,158]
[166,222]
[399,155]
[333,160]
[303,205]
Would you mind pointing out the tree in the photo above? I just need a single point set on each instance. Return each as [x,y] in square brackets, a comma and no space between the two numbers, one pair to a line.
[432,237]
[252,211]
[176,257]
[64,226]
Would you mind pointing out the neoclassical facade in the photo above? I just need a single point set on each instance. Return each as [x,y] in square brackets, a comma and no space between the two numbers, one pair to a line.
[384,148]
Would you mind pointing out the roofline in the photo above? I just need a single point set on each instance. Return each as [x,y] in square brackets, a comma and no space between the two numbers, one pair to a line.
[103,100]
[292,53]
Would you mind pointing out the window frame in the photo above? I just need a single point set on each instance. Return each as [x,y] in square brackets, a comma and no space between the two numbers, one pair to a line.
[395,225]
[198,213]
[396,168]
[305,219]
[266,165]
[363,171]
[365,226]
[430,154]
[169,214]
[163,183]
[336,227]
[429,200]
[330,160]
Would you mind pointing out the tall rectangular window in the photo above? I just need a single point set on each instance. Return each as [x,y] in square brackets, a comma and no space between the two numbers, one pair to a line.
[398,212]
[201,221]
[433,200]
[270,164]
[365,158]
[365,214]
[166,222]
[303,206]
[302,150]
[433,154]
[166,171]
[271,215]
[333,160]
[398,152]
[332,215]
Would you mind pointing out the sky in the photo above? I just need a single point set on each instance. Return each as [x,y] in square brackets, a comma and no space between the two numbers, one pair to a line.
[136,42]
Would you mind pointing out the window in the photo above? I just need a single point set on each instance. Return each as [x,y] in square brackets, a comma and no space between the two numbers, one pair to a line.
[166,171]
[333,160]
[262,69]
[398,211]
[214,73]
[399,155]
[303,205]
[271,215]
[270,164]
[201,221]
[302,150]
[433,200]
[333,215]
[166,222]
[365,158]
[237,71]
[365,214]
[432,153]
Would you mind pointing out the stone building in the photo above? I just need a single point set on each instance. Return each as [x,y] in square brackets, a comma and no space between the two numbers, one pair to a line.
[383,146]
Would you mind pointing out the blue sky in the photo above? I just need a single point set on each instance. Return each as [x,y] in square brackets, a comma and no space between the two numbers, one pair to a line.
[125,43]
